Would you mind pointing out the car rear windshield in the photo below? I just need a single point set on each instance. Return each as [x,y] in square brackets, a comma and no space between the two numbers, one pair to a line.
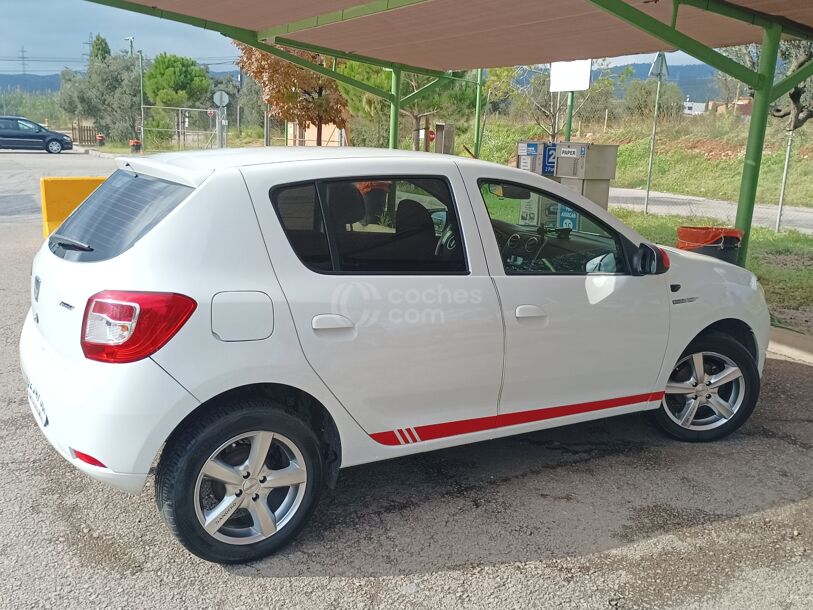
[115,216]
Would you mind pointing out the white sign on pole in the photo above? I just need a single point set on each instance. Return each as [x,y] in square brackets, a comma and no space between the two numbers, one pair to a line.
[570,75]
[525,163]
[221,98]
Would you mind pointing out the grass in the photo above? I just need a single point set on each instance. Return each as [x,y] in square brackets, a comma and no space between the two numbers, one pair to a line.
[783,262]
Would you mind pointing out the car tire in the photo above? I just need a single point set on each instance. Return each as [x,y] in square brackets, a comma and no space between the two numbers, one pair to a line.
[53,146]
[217,438]
[707,409]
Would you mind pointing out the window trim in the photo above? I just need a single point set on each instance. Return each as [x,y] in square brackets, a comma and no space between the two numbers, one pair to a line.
[620,240]
[319,184]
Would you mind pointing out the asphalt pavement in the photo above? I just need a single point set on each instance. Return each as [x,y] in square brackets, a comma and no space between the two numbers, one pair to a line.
[793,217]
[609,514]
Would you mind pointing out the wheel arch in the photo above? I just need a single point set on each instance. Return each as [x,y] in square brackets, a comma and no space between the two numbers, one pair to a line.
[297,402]
[736,328]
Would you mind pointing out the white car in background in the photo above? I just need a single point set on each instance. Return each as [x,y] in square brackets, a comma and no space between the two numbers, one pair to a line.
[256,320]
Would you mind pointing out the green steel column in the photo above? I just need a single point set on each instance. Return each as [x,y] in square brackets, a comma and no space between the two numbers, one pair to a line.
[756,134]
[478,115]
[571,98]
[395,106]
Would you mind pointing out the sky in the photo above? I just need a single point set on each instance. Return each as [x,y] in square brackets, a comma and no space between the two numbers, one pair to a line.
[55,34]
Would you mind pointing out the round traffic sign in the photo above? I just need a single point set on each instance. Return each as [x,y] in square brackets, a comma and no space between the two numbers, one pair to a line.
[432,135]
[221,98]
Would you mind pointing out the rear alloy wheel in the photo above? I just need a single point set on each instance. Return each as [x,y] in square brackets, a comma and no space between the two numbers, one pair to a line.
[54,147]
[712,390]
[239,482]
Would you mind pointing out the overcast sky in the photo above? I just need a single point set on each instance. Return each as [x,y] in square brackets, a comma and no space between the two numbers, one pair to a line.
[55,34]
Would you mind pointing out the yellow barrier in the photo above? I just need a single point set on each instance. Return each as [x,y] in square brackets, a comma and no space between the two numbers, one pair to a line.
[61,196]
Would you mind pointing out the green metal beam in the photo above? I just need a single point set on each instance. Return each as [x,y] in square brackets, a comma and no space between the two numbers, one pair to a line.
[791,80]
[354,12]
[750,16]
[250,38]
[395,106]
[687,44]
[364,59]
[422,91]
[478,115]
[768,55]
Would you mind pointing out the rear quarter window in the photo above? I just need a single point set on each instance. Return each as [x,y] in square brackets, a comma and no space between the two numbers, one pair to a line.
[115,216]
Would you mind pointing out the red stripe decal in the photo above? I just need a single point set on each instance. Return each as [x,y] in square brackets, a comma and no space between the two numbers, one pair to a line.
[479,424]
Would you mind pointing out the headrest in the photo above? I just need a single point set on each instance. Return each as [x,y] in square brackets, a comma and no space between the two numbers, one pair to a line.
[412,217]
[345,202]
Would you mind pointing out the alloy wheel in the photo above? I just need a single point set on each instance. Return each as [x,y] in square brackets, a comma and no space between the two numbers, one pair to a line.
[705,390]
[250,487]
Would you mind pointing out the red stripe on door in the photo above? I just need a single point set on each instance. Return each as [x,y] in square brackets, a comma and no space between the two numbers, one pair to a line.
[479,424]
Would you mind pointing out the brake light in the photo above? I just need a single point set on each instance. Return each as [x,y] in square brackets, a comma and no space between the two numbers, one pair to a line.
[121,326]
[664,258]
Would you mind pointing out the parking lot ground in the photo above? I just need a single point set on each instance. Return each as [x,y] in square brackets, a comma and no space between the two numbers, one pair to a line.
[20,173]
[608,514]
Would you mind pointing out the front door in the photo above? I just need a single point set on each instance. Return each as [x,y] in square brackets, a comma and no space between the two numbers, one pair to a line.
[582,334]
[29,135]
[385,275]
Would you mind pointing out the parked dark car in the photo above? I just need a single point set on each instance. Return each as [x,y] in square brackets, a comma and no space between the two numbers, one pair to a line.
[22,134]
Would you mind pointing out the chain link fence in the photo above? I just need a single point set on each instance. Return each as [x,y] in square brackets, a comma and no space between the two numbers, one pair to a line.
[169,128]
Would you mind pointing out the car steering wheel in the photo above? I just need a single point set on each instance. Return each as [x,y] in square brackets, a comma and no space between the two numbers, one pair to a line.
[447,243]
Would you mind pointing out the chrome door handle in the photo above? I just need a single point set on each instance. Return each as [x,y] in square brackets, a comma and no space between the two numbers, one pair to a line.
[530,311]
[328,321]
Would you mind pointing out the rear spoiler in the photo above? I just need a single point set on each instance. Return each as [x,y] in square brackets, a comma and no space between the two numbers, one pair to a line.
[165,171]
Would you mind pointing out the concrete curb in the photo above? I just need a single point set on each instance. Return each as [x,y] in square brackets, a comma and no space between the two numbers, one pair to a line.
[791,345]
[95,153]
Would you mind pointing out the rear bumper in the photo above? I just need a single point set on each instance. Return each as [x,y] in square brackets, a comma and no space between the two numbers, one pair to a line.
[120,414]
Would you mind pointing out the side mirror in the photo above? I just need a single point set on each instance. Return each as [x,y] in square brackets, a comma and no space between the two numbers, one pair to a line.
[649,260]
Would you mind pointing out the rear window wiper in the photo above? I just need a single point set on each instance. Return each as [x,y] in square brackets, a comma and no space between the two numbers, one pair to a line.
[69,243]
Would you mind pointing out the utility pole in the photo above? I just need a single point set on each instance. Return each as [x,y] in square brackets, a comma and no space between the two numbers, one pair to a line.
[784,181]
[659,69]
[141,90]
[23,61]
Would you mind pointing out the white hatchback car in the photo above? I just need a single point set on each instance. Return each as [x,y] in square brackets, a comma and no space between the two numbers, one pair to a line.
[256,320]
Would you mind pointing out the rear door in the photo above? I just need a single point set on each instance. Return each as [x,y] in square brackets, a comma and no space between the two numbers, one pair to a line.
[8,133]
[385,275]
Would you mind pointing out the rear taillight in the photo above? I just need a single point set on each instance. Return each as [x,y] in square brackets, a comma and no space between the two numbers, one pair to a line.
[87,459]
[122,326]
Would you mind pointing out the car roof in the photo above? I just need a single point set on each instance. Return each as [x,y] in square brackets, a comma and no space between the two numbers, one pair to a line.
[193,167]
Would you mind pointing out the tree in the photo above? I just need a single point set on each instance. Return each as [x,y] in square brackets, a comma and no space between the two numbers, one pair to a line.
[295,94]
[176,81]
[526,91]
[639,99]
[251,103]
[799,105]
[99,50]
[452,99]
[109,94]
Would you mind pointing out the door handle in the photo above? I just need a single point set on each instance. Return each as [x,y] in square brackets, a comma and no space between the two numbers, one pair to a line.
[328,321]
[530,311]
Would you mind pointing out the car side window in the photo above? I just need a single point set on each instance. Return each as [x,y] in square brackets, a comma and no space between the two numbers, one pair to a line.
[539,234]
[27,126]
[7,124]
[301,217]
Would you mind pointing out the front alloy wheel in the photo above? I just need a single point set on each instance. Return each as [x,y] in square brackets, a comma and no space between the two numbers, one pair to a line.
[54,147]
[711,391]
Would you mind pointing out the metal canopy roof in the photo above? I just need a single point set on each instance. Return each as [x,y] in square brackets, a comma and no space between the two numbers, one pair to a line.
[455,35]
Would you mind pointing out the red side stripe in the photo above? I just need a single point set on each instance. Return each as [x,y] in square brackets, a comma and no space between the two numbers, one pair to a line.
[478,424]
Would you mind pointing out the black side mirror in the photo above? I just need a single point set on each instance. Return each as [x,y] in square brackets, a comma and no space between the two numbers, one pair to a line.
[649,260]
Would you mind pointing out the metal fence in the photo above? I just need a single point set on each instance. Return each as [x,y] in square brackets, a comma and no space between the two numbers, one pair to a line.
[170,128]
